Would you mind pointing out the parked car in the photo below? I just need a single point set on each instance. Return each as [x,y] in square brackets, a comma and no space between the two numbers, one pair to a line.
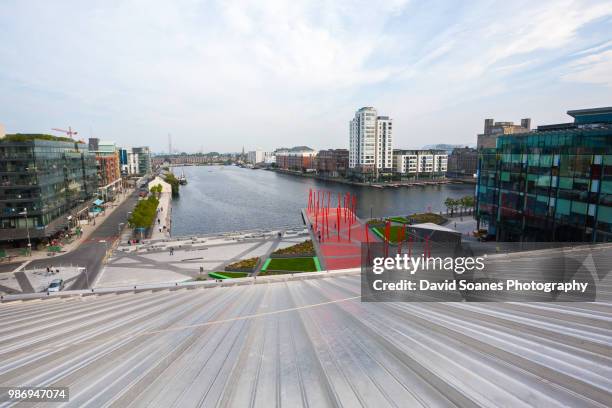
[56,285]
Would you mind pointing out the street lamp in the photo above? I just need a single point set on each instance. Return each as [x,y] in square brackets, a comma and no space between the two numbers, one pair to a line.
[25,215]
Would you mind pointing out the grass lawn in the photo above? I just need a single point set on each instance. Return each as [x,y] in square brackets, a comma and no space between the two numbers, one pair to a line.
[393,234]
[401,220]
[217,275]
[420,218]
[290,265]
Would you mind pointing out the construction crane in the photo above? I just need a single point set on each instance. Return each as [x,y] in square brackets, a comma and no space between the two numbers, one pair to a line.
[69,132]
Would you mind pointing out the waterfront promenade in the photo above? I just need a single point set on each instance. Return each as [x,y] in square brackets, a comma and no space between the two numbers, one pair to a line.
[163,221]
[151,261]
[423,182]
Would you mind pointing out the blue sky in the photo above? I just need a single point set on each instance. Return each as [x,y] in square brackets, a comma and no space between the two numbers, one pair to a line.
[219,75]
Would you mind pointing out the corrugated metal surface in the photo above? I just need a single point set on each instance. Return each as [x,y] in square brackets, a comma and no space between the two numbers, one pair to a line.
[306,343]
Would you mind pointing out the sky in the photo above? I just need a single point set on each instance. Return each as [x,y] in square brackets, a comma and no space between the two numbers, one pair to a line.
[223,75]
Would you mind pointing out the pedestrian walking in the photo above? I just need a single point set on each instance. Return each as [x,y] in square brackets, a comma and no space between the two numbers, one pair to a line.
[171,251]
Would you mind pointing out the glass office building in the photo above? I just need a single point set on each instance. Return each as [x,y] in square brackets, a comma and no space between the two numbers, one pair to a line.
[552,184]
[44,182]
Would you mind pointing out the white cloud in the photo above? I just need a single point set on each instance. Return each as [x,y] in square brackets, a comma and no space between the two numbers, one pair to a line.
[280,72]
[594,69]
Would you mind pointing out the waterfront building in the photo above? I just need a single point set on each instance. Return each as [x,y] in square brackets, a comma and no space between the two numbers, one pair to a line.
[462,162]
[298,158]
[190,159]
[332,162]
[135,161]
[281,156]
[494,129]
[46,183]
[551,184]
[93,144]
[370,144]
[258,156]
[109,167]
[420,163]
[143,159]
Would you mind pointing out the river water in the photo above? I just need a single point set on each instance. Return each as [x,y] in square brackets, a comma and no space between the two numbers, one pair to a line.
[230,198]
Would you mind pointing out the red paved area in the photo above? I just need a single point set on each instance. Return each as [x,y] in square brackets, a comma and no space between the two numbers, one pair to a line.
[339,253]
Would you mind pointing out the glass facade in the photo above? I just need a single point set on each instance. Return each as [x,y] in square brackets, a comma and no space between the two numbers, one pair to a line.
[553,185]
[48,178]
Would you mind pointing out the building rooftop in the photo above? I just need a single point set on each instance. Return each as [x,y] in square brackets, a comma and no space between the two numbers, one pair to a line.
[306,341]
[591,116]
[28,137]
[590,111]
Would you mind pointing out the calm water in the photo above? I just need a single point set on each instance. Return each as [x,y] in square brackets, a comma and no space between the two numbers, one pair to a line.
[229,198]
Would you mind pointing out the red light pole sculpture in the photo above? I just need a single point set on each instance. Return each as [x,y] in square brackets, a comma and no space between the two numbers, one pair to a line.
[338,221]
[387,237]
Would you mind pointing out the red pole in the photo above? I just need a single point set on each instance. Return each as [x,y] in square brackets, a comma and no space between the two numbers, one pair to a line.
[410,246]
[310,200]
[327,221]
[387,237]
[367,234]
[316,211]
[338,221]
[345,205]
[349,231]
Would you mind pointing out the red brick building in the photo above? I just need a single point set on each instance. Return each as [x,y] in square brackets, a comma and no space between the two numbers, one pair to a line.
[332,162]
[299,158]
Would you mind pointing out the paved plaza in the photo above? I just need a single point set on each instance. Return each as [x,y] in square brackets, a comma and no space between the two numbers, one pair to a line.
[152,261]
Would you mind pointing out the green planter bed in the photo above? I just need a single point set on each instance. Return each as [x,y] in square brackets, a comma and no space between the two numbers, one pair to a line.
[228,275]
[276,266]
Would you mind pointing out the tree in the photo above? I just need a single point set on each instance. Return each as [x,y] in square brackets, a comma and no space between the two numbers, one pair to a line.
[450,205]
[174,183]
[468,202]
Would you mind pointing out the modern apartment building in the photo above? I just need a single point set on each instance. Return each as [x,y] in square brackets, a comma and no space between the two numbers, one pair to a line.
[45,181]
[420,163]
[332,162]
[370,143]
[144,160]
[492,130]
[135,161]
[462,162]
[551,184]
[258,156]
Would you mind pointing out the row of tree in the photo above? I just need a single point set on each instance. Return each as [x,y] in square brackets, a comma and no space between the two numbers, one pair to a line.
[462,205]
[144,213]
[171,179]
